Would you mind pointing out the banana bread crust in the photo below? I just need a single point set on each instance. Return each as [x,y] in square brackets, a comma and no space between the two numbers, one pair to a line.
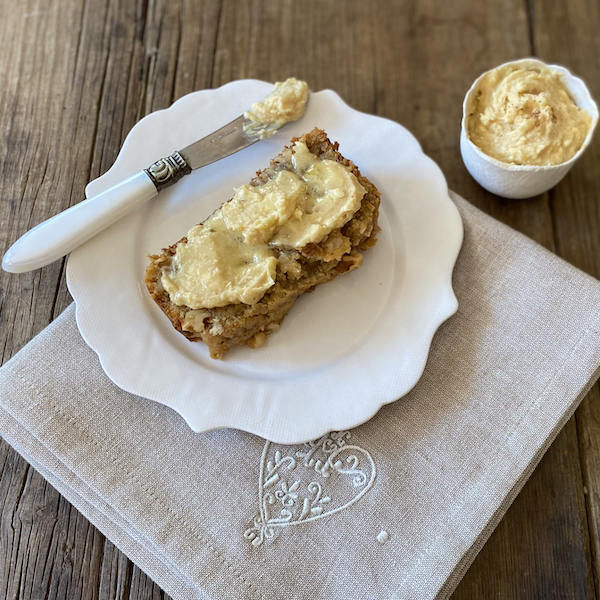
[298,271]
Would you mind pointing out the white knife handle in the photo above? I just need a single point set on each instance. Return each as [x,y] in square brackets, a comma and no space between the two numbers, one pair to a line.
[57,236]
[64,232]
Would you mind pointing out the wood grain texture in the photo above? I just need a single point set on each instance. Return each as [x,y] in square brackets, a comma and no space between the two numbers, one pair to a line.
[78,75]
[567,32]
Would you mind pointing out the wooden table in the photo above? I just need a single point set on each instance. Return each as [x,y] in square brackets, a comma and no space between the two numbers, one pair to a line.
[76,75]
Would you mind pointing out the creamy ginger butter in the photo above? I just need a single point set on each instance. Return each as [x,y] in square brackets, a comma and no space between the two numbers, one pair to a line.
[526,116]
[231,258]
[286,103]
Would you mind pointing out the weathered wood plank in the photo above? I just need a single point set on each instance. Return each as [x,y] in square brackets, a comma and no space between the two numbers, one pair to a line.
[588,427]
[39,141]
[14,475]
[143,588]
[576,209]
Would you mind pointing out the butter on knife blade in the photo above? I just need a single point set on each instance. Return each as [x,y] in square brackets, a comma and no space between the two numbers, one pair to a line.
[64,232]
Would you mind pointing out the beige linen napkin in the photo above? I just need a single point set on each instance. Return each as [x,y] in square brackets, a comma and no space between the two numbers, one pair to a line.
[396,508]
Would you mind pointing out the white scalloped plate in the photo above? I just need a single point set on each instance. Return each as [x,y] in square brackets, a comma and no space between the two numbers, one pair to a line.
[353,345]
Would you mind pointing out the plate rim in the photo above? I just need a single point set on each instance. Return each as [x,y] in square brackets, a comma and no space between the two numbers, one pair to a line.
[278,434]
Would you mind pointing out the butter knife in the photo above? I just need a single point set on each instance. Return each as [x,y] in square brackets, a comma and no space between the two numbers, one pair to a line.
[67,230]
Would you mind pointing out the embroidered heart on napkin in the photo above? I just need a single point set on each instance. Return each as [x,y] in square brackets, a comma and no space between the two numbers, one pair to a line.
[300,484]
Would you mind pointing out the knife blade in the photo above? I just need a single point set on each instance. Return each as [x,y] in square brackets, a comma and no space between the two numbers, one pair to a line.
[59,235]
[219,144]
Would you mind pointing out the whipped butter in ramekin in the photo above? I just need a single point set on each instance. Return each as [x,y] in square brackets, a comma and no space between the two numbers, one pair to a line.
[524,125]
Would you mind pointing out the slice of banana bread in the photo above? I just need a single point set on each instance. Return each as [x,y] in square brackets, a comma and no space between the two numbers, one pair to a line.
[292,270]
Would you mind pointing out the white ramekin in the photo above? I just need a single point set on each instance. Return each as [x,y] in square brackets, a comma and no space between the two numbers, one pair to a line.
[523,181]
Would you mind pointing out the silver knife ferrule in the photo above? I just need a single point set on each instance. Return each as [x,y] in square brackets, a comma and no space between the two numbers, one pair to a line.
[167,171]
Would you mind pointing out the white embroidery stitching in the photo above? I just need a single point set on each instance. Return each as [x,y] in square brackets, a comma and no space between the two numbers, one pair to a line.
[383,537]
[287,483]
